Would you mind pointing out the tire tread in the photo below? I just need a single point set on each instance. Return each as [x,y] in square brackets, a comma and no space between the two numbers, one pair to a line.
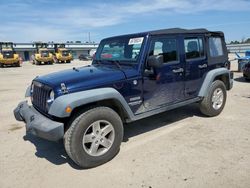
[205,105]
[69,134]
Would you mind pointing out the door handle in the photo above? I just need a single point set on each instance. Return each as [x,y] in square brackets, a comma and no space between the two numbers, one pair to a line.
[202,66]
[178,70]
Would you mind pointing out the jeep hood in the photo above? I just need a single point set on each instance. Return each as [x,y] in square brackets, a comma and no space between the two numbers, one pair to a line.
[83,78]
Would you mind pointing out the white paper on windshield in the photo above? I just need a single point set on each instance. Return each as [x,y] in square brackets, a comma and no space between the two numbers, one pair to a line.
[138,40]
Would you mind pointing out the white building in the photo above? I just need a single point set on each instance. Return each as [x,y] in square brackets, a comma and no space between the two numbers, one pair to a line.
[25,50]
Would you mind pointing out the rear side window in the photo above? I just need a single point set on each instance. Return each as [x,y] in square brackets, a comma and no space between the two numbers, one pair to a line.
[215,46]
[194,47]
[166,47]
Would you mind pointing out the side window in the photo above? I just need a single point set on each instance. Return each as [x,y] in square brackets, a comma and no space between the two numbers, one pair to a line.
[215,46]
[166,47]
[194,47]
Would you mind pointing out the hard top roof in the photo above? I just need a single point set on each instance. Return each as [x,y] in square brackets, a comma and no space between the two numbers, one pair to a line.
[173,31]
[180,31]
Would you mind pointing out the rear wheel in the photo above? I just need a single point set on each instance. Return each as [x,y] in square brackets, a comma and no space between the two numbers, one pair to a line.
[94,137]
[214,102]
[68,61]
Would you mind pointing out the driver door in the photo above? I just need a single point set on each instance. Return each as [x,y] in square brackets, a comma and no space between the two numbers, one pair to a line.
[164,85]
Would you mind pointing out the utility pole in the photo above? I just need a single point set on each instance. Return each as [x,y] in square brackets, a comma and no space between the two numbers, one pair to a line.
[89,38]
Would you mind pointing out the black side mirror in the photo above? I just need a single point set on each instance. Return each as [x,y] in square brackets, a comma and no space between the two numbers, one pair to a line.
[155,61]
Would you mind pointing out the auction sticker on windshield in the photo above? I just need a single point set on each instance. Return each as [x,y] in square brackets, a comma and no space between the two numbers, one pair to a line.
[138,40]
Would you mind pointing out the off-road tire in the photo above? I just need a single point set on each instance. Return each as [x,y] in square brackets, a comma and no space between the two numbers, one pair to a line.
[73,136]
[206,105]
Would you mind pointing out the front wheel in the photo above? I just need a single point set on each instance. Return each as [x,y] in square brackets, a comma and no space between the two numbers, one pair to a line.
[94,137]
[214,102]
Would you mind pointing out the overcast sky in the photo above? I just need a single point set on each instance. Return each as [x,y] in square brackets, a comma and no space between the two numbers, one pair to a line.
[61,21]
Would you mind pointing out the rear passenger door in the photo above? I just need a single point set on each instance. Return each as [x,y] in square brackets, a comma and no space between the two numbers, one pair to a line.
[196,64]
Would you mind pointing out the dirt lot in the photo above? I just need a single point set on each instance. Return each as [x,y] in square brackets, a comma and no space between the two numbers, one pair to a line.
[180,148]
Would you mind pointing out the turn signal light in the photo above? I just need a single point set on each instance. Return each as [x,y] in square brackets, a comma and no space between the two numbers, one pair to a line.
[68,109]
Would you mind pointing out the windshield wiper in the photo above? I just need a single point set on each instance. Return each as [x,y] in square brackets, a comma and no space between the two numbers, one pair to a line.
[97,61]
[116,62]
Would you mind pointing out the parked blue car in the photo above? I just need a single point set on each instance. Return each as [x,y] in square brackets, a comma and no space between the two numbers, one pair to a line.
[131,77]
[242,61]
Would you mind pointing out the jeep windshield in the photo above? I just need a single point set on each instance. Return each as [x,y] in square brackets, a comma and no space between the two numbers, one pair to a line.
[120,49]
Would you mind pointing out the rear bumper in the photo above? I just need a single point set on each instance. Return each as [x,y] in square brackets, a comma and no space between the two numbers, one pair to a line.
[37,124]
[231,80]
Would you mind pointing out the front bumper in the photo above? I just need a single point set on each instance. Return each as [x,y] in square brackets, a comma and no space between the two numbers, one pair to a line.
[37,124]
[64,58]
[45,59]
[9,61]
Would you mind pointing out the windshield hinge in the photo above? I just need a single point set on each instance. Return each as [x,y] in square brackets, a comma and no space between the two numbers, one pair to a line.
[64,89]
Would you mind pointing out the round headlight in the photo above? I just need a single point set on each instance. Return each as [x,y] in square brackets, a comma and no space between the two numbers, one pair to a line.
[52,95]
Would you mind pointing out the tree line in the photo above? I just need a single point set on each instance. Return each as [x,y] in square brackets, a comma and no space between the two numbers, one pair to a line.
[243,41]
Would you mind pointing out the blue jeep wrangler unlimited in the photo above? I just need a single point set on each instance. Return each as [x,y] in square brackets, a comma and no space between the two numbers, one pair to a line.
[131,77]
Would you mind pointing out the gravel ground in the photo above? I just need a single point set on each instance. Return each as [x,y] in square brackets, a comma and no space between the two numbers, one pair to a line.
[179,148]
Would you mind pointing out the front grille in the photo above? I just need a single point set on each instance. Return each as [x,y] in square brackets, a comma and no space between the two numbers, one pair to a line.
[40,96]
[8,55]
